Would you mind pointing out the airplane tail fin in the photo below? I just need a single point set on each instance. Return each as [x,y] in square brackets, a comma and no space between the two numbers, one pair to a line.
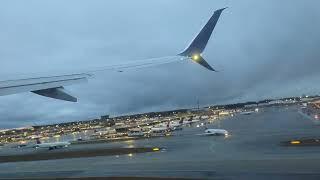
[198,44]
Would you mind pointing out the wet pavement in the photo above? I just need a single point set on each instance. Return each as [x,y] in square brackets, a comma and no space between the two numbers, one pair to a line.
[252,151]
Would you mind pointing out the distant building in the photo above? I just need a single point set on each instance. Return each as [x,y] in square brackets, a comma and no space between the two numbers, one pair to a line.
[250,105]
[105,117]
[224,113]
[263,104]
[274,102]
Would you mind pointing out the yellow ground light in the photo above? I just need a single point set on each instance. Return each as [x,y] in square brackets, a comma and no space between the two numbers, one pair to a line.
[295,142]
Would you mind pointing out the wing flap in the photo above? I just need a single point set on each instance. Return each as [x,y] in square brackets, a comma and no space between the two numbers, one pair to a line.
[56,93]
[41,83]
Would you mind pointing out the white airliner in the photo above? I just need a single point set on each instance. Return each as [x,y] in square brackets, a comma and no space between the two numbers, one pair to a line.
[53,86]
[51,146]
[163,127]
[247,112]
[215,132]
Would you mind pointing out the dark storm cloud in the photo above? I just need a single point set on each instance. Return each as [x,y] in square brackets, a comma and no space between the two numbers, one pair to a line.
[262,48]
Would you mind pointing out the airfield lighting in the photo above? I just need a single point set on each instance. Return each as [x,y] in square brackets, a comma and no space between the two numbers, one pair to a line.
[295,142]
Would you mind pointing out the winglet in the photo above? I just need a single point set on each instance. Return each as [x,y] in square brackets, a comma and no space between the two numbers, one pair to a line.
[199,59]
[199,43]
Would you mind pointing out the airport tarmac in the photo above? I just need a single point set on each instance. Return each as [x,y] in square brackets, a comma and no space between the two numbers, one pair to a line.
[252,151]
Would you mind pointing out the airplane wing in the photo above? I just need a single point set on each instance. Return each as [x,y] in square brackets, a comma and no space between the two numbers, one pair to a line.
[53,86]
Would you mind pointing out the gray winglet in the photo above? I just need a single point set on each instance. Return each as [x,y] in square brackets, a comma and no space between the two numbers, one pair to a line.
[199,59]
[199,43]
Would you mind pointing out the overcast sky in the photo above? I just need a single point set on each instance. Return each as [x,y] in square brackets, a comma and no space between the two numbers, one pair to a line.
[262,48]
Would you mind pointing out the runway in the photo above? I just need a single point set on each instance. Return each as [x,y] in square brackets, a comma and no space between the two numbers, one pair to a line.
[253,151]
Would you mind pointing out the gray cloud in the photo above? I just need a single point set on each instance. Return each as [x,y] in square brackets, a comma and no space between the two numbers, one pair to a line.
[262,48]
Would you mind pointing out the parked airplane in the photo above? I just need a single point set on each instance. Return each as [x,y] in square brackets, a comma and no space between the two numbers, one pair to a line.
[160,128]
[215,132]
[53,86]
[100,133]
[159,131]
[247,112]
[51,146]
[173,124]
